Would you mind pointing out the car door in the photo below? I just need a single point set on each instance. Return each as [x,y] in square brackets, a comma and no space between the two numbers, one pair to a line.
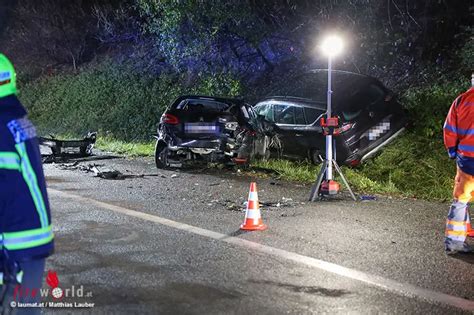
[291,121]
[309,136]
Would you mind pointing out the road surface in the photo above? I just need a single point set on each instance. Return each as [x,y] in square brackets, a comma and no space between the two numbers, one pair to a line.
[170,244]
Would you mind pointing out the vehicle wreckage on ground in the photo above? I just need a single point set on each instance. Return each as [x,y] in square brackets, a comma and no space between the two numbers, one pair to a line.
[68,148]
[212,129]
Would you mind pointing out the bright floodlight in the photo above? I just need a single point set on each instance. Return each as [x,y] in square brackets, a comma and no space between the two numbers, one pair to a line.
[332,45]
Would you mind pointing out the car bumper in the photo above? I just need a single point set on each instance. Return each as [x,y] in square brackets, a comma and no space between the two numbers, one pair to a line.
[360,157]
[215,144]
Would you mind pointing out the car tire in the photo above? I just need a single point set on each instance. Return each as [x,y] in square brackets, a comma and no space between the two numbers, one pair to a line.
[161,155]
[314,156]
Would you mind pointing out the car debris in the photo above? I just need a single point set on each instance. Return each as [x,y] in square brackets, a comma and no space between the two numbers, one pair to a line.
[105,173]
[368,198]
[62,149]
[71,147]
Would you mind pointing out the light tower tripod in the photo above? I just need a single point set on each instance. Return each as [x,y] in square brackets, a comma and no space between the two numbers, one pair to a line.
[323,186]
[329,126]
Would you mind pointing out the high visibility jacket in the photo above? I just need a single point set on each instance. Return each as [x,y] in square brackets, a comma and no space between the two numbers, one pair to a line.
[25,221]
[459,131]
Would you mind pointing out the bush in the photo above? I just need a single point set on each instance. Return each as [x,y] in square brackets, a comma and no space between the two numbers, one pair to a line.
[427,107]
[113,99]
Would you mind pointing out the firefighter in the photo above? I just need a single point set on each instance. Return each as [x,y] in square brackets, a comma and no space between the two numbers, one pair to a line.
[459,141]
[26,238]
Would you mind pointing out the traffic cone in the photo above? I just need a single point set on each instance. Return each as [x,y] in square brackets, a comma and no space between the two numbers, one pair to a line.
[253,218]
[470,231]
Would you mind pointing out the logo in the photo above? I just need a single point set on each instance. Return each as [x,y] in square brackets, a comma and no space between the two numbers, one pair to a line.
[57,293]
[53,281]
[5,75]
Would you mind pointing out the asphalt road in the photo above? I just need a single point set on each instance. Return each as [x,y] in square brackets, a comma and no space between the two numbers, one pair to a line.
[170,244]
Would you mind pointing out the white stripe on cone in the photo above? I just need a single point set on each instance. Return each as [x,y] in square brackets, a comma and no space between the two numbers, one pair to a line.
[253,195]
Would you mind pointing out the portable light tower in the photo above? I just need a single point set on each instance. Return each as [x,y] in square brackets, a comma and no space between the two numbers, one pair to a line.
[331,47]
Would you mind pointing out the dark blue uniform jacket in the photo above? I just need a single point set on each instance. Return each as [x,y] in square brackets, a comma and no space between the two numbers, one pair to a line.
[25,221]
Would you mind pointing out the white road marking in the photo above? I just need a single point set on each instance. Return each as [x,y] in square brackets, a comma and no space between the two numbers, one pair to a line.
[381,282]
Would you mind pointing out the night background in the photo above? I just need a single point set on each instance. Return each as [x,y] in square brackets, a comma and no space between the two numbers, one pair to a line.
[113,66]
[186,203]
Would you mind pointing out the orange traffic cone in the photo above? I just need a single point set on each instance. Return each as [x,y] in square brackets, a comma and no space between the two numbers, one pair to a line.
[253,218]
[470,231]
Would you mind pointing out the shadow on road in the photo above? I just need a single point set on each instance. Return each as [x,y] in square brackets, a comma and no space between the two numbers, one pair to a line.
[467,258]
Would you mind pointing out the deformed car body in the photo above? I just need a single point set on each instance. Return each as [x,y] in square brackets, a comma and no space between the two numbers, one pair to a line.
[370,116]
[210,129]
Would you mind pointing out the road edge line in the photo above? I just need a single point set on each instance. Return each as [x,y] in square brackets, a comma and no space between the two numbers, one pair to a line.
[400,288]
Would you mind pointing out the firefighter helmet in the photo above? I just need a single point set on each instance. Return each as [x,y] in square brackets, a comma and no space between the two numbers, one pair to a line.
[7,77]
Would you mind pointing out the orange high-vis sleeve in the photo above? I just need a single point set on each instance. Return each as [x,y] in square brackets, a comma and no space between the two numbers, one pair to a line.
[450,134]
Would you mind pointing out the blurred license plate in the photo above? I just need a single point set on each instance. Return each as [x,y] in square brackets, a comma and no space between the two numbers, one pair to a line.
[201,128]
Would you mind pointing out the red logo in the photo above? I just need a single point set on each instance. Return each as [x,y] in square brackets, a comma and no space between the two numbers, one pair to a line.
[53,281]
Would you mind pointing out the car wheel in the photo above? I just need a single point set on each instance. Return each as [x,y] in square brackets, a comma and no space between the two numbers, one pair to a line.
[314,156]
[161,155]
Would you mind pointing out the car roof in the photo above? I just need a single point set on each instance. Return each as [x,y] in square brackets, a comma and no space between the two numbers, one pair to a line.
[296,100]
[311,86]
[340,73]
[210,98]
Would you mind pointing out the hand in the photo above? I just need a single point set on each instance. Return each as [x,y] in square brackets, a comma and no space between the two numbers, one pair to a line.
[452,152]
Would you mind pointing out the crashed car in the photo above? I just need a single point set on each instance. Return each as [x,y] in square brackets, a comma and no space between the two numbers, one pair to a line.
[369,115]
[210,129]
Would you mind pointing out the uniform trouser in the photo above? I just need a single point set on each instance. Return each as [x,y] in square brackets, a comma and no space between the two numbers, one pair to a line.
[32,279]
[458,216]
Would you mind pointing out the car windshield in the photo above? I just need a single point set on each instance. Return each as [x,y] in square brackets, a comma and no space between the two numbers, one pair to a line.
[202,105]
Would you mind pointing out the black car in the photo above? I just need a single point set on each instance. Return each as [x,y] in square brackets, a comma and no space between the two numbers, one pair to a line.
[210,129]
[370,116]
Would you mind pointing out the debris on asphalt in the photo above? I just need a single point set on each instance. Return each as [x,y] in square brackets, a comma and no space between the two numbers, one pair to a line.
[288,215]
[283,203]
[104,173]
[228,204]
[174,175]
[368,198]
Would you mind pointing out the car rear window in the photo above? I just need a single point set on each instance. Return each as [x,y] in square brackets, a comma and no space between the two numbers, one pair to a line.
[361,99]
[202,104]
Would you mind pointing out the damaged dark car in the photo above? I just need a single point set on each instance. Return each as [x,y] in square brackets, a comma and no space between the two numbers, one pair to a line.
[197,129]
[369,115]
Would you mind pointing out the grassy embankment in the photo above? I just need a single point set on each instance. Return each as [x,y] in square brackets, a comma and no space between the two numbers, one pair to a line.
[125,108]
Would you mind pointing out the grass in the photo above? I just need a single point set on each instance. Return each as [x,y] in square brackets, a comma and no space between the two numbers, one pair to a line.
[133,149]
[412,166]
[307,172]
